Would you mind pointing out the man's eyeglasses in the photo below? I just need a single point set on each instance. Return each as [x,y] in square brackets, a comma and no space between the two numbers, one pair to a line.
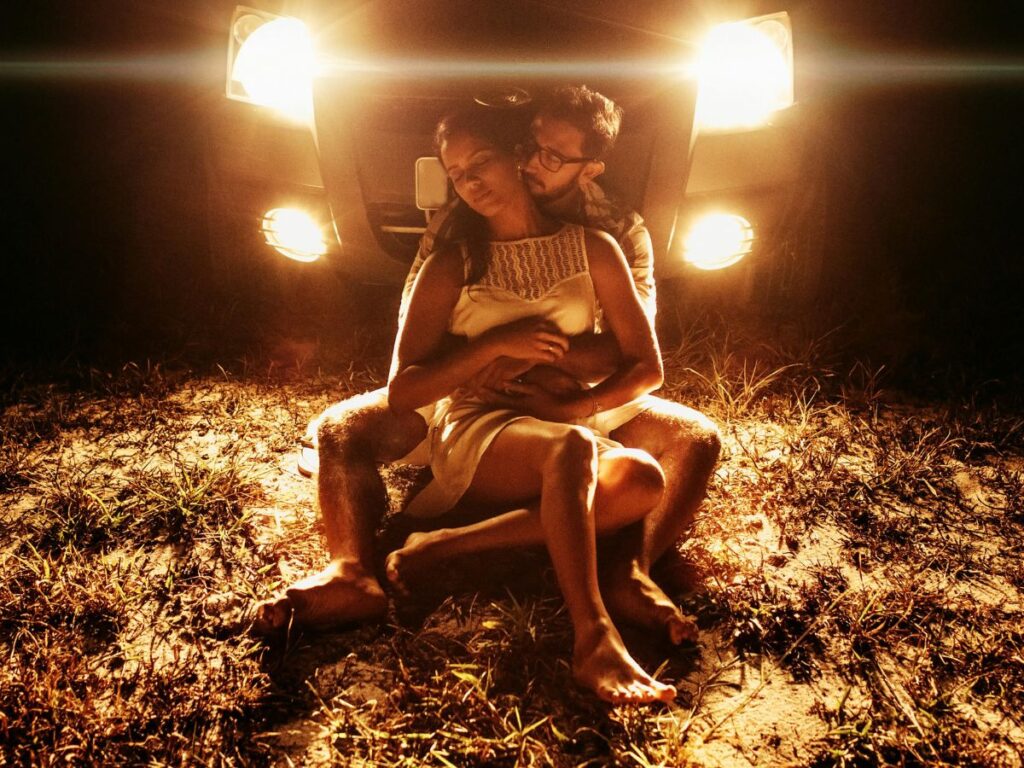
[549,158]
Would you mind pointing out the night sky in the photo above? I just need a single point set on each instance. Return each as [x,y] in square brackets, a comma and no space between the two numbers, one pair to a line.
[108,211]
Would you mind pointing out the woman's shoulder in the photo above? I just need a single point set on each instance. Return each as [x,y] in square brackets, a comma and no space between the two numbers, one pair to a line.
[601,245]
[446,265]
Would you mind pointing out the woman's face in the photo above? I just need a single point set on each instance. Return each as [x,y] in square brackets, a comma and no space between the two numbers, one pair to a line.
[484,176]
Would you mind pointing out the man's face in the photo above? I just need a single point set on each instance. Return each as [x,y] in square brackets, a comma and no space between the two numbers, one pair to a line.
[565,140]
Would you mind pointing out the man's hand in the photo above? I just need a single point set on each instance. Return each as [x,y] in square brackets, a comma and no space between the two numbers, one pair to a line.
[496,382]
[534,400]
[531,338]
[591,356]
[554,380]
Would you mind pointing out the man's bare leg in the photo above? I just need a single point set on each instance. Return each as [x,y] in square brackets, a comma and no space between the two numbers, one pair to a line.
[687,445]
[354,437]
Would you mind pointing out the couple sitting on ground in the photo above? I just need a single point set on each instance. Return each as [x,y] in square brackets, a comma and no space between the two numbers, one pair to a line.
[522,371]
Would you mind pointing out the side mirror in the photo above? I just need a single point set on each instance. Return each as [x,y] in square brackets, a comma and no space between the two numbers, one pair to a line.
[431,184]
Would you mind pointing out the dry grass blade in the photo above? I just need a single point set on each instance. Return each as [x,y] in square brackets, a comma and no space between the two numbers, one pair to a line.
[855,575]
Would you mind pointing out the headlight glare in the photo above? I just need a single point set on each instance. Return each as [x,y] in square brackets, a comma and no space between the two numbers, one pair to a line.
[275,64]
[745,73]
[717,241]
[294,234]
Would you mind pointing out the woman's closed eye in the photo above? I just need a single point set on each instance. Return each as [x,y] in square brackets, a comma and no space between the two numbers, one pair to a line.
[474,166]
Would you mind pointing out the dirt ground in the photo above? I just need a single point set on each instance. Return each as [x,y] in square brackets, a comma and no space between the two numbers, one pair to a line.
[855,574]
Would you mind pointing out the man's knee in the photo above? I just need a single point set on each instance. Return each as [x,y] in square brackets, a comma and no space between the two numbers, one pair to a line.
[670,428]
[705,437]
[364,427]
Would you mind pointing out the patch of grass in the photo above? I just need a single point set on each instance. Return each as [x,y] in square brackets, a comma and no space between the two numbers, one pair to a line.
[863,544]
[189,501]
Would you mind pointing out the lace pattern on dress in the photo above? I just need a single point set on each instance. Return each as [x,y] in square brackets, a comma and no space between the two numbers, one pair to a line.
[530,268]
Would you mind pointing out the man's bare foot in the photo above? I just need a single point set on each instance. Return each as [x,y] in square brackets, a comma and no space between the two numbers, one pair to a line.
[271,616]
[631,596]
[601,663]
[340,594]
[418,551]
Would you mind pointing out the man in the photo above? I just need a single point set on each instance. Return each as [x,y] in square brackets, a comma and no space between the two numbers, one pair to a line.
[571,134]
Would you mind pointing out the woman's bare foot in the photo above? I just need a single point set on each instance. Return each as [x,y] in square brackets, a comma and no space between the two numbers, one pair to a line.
[341,593]
[601,663]
[418,551]
[631,596]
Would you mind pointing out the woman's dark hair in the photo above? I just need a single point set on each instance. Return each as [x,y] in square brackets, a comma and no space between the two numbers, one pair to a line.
[503,128]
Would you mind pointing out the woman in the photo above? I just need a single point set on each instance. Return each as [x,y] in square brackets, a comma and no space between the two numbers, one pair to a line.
[519,287]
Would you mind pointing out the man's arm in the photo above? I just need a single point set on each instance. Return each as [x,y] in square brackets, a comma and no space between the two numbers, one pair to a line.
[591,356]
[594,356]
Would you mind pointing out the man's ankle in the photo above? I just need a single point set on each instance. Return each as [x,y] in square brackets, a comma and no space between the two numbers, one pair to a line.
[350,568]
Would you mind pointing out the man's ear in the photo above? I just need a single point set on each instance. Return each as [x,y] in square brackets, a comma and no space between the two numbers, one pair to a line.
[592,170]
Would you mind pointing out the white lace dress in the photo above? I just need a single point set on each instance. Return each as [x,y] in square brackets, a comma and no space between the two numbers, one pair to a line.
[541,276]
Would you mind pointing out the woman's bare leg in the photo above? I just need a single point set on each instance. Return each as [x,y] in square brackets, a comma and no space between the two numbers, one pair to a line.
[560,463]
[629,484]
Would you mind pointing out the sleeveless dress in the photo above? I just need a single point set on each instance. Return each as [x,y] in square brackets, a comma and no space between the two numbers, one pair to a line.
[535,277]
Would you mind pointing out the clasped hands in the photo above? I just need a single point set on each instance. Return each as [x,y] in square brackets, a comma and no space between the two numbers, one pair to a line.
[523,376]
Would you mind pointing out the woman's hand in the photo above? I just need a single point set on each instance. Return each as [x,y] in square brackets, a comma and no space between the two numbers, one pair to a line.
[535,400]
[532,338]
[496,374]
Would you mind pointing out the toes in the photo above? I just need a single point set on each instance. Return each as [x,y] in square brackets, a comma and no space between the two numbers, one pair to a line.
[666,693]
[681,628]
[637,692]
[271,616]
[641,693]
[391,568]
[625,695]
[612,695]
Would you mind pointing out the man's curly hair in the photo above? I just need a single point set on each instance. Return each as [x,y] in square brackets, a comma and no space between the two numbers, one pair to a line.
[596,116]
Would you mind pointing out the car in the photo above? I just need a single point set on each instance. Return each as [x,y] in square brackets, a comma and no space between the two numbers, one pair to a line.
[324,141]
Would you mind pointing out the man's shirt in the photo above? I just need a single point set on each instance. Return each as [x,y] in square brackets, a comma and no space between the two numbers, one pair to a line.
[598,211]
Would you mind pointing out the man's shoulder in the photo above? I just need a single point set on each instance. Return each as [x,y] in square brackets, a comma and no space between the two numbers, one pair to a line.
[604,210]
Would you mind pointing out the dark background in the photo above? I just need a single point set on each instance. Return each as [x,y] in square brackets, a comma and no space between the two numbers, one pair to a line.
[106,249]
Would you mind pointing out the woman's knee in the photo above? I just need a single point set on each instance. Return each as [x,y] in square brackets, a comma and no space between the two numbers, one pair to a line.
[572,452]
[631,476]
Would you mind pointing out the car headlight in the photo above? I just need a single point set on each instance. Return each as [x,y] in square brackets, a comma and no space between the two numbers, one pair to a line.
[745,73]
[272,63]
[717,241]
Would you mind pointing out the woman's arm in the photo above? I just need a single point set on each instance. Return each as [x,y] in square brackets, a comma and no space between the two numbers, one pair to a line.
[423,371]
[639,369]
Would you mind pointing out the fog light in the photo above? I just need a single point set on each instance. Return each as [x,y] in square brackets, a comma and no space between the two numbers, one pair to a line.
[294,233]
[718,240]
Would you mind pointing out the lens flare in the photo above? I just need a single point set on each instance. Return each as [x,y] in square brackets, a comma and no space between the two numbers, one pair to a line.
[744,74]
[717,241]
[294,233]
[276,64]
